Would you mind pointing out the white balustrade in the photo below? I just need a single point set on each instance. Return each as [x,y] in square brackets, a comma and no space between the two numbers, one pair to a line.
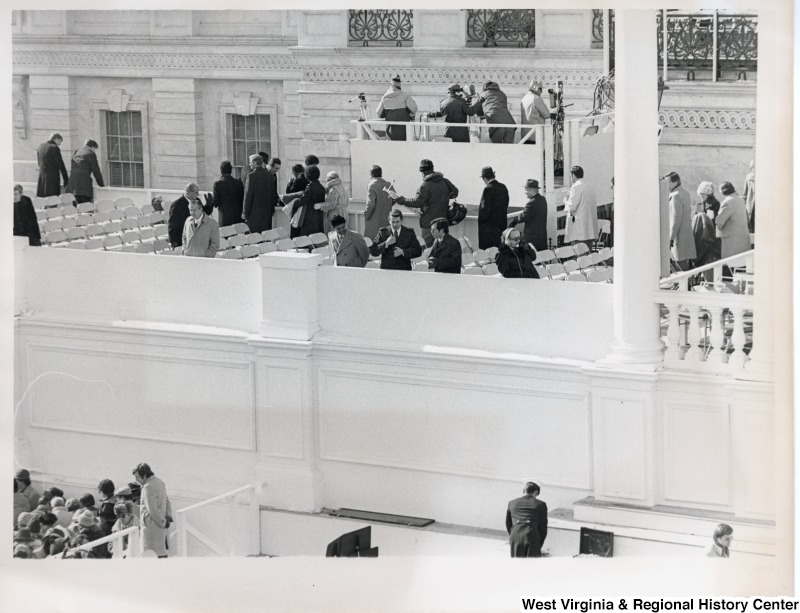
[117,542]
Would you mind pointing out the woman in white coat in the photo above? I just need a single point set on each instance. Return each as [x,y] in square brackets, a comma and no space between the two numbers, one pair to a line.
[732,222]
[581,209]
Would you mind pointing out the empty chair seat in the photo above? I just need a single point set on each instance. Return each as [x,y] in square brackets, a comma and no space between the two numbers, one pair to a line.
[67,222]
[223,244]
[77,245]
[540,270]
[285,244]
[491,269]
[320,238]
[102,217]
[84,219]
[160,245]
[481,257]
[145,248]
[116,214]
[129,224]
[373,264]
[227,231]
[67,198]
[606,253]
[54,213]
[113,227]
[129,249]
[544,256]
[492,253]
[576,276]
[232,254]
[326,251]
[161,231]
[241,228]
[143,221]
[571,266]
[282,232]
[112,243]
[77,233]
[272,235]
[104,205]
[250,251]
[41,215]
[51,225]
[585,263]
[147,234]
[267,247]
[54,201]
[95,229]
[94,243]
[158,217]
[564,253]
[475,270]
[556,271]
[254,238]
[131,212]
[147,209]
[39,203]
[68,210]
[170,251]
[131,236]
[601,275]
[581,249]
[303,242]
[56,236]
[87,207]
[597,259]
[123,203]
[237,240]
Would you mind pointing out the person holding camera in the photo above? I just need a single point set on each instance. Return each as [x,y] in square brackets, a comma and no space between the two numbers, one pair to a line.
[493,104]
[533,110]
[396,105]
[455,109]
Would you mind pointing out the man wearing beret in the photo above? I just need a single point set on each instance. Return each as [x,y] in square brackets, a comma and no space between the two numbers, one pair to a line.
[493,210]
[533,111]
[455,109]
[534,217]
[432,199]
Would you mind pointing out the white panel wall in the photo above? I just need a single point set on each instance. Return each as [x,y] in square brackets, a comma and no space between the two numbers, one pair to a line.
[461,163]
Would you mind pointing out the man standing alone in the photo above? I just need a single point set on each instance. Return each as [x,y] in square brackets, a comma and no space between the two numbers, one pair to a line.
[155,510]
[534,217]
[533,111]
[493,210]
[396,105]
[581,209]
[526,523]
[681,237]
[50,165]
[84,165]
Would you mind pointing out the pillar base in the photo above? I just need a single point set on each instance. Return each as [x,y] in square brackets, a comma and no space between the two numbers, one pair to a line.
[757,369]
[634,357]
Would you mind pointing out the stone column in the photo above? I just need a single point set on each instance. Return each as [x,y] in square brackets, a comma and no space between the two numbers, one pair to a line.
[179,151]
[637,342]
[290,300]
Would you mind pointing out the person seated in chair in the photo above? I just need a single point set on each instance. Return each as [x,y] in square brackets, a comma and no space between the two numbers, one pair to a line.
[396,244]
[514,259]
[445,254]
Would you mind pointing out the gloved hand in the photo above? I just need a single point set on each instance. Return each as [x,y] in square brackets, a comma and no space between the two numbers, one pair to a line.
[432,115]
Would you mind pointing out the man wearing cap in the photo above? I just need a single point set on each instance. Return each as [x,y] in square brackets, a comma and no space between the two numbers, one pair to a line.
[179,213]
[348,247]
[445,253]
[23,479]
[534,216]
[396,105]
[492,211]
[581,209]
[493,104]
[526,523]
[396,244]
[260,196]
[533,111]
[432,199]
[455,109]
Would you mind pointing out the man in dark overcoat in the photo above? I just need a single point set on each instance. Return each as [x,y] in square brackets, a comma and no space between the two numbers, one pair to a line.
[50,165]
[228,196]
[493,210]
[534,217]
[396,244]
[526,522]
[179,213]
[84,165]
[260,196]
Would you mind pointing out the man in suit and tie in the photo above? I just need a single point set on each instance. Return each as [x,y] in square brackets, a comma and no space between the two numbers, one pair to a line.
[493,210]
[396,244]
[348,246]
[526,522]
[445,254]
[260,196]
[200,233]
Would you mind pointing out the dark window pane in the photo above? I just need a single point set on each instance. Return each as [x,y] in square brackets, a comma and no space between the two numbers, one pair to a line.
[124,124]
[238,127]
[125,149]
[112,124]
[113,148]
[126,175]
[136,122]
[239,153]
[138,155]
[264,128]
[116,173]
[251,128]
[139,171]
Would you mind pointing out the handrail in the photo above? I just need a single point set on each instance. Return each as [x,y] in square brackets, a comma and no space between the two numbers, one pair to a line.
[383,122]
[690,273]
[215,499]
[133,543]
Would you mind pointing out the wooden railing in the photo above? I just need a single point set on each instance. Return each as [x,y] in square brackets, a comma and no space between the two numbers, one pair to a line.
[231,499]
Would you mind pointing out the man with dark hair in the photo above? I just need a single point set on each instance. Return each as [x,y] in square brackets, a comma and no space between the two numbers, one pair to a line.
[526,523]
[534,216]
[25,221]
[156,511]
[581,209]
[84,165]
[445,254]
[274,165]
[260,196]
[87,502]
[681,236]
[179,213]
[432,199]
[379,203]
[24,487]
[348,247]
[493,210]
[307,215]
[396,244]
[105,510]
[50,165]
[455,109]
[228,195]
[311,160]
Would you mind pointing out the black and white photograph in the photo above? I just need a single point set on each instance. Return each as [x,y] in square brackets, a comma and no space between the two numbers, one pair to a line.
[203,402]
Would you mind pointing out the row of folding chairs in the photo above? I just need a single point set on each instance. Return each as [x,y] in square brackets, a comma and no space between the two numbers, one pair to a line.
[105,204]
[113,224]
[61,238]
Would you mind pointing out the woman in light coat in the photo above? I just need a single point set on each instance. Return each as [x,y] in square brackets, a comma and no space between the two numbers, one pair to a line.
[336,199]
[379,204]
[732,222]
[155,518]
[581,209]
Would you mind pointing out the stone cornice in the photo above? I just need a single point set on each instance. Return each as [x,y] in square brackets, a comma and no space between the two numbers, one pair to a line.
[204,42]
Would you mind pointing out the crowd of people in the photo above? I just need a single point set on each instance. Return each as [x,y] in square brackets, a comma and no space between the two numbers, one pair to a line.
[47,524]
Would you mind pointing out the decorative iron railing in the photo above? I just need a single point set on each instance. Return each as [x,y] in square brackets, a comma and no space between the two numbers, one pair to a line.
[501,28]
[597,28]
[737,41]
[381,28]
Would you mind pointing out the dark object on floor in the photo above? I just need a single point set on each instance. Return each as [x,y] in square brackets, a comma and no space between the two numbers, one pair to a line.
[387,518]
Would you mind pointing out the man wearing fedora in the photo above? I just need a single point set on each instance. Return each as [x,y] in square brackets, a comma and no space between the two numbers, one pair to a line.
[533,110]
[455,109]
[526,523]
[396,105]
[534,216]
[23,479]
[492,211]
[432,199]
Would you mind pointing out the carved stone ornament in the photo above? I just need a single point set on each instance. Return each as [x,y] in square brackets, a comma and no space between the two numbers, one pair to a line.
[245,103]
[117,100]
[718,120]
